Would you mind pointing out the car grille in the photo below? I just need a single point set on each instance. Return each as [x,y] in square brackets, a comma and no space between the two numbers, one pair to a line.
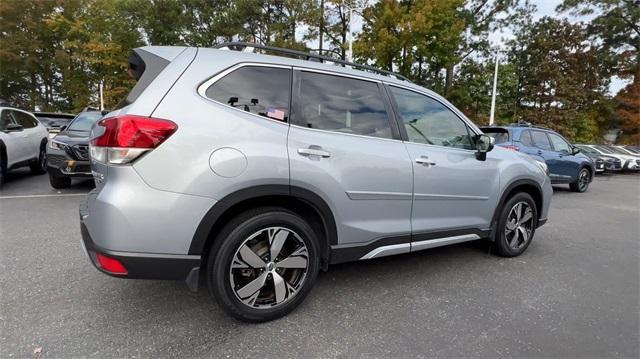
[81,152]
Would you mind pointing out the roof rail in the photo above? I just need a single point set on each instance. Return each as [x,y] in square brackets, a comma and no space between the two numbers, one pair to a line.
[526,124]
[301,55]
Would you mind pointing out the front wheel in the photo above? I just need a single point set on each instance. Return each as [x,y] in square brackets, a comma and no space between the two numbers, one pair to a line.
[516,225]
[59,182]
[263,264]
[582,183]
[40,166]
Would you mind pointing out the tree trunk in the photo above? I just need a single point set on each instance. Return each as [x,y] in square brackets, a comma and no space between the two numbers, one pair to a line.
[448,79]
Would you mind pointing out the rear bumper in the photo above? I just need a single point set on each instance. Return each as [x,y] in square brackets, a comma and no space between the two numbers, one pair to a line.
[139,265]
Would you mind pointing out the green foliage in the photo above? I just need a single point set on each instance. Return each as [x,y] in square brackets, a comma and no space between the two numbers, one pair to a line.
[54,53]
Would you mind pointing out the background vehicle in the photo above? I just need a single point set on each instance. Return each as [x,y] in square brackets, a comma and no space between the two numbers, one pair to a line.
[68,151]
[628,162]
[566,163]
[206,169]
[22,142]
[53,121]
[609,163]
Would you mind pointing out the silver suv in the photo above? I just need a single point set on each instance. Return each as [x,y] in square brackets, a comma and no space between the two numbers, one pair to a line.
[251,172]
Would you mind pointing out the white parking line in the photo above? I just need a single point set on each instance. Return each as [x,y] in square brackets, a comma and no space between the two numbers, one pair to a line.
[44,195]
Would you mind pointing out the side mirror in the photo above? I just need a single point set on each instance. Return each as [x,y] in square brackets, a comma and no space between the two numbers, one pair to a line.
[484,144]
[575,150]
[14,127]
[63,127]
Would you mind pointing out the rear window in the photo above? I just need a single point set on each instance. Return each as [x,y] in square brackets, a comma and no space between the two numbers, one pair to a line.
[263,91]
[143,67]
[84,121]
[500,135]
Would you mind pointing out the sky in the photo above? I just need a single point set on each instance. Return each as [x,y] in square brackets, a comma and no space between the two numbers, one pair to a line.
[543,8]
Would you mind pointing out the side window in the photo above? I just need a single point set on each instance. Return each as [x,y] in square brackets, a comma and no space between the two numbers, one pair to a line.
[559,144]
[24,119]
[525,138]
[540,140]
[428,121]
[5,119]
[263,91]
[342,104]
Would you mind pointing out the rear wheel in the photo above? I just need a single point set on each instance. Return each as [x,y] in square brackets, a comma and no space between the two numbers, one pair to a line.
[59,182]
[264,264]
[40,166]
[582,183]
[516,225]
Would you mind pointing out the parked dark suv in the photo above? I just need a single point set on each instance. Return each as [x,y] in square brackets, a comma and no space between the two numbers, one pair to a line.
[68,151]
[566,163]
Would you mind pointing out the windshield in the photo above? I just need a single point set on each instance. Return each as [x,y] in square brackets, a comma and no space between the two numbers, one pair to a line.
[84,121]
[632,150]
[587,150]
[617,150]
[603,149]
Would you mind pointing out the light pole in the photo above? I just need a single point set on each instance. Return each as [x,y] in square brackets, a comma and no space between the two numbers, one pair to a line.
[493,94]
[351,8]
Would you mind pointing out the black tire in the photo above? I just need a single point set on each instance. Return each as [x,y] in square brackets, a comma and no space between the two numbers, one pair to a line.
[582,183]
[59,182]
[228,245]
[39,167]
[503,241]
[3,164]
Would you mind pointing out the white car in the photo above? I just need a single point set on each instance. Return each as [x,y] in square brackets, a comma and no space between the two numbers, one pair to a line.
[629,162]
[23,142]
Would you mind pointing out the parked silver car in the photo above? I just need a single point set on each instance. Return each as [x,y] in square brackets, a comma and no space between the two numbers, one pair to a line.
[253,172]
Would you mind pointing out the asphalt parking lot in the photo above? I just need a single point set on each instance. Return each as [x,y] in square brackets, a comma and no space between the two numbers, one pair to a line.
[574,293]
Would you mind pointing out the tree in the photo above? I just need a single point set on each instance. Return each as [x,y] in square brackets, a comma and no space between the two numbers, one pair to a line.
[561,75]
[628,111]
[29,77]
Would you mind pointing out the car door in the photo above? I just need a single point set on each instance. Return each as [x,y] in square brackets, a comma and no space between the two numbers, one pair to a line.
[454,193]
[542,148]
[343,146]
[32,135]
[563,159]
[15,142]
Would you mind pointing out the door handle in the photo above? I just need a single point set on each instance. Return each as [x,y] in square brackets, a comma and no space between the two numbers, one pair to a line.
[314,151]
[425,161]
[539,152]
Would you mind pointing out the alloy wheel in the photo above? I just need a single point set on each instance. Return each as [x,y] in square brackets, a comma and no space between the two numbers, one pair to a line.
[583,180]
[269,268]
[519,226]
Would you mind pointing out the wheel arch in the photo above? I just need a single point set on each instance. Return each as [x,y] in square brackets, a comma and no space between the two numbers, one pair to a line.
[521,185]
[298,200]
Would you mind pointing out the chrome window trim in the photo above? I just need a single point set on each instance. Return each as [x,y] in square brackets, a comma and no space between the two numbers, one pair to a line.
[333,73]
[202,88]
[346,134]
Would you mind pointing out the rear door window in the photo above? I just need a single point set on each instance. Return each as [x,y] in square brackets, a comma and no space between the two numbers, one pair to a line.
[525,138]
[341,104]
[541,140]
[262,91]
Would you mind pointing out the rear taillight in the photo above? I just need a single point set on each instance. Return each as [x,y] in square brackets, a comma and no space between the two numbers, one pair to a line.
[512,147]
[127,137]
[111,265]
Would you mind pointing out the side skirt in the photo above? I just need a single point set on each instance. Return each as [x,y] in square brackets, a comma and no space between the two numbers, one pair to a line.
[387,246]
